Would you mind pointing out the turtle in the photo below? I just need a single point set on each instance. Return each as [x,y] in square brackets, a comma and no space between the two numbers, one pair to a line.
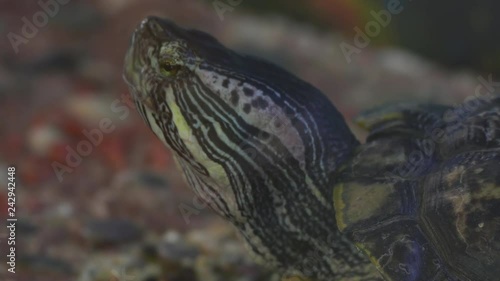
[418,200]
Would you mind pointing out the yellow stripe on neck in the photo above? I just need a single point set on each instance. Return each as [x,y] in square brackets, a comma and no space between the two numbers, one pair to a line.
[215,170]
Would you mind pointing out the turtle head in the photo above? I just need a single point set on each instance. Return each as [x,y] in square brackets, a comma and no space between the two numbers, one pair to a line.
[201,98]
[257,143]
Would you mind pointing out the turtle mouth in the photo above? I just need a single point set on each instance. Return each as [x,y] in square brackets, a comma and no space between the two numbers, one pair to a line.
[141,72]
[135,63]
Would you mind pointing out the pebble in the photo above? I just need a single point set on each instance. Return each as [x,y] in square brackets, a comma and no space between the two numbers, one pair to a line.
[43,138]
[111,232]
[26,227]
[173,249]
[121,266]
[173,257]
[152,180]
[45,265]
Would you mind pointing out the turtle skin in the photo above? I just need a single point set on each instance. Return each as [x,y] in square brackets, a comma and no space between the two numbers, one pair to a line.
[422,196]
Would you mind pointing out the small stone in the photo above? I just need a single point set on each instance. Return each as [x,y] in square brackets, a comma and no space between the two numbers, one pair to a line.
[152,180]
[45,265]
[25,227]
[41,139]
[173,249]
[111,231]
[118,267]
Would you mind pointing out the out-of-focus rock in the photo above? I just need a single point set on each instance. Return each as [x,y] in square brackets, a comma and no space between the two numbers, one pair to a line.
[44,138]
[45,265]
[118,267]
[111,232]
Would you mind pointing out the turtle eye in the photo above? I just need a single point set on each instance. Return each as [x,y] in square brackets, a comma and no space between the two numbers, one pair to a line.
[169,69]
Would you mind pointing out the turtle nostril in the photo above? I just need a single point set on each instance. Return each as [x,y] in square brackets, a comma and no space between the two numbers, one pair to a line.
[145,27]
[148,20]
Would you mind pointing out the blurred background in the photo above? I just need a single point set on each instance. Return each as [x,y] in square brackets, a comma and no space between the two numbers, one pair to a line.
[111,205]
